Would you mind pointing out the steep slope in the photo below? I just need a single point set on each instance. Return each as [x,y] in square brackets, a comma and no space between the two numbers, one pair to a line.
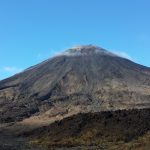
[82,79]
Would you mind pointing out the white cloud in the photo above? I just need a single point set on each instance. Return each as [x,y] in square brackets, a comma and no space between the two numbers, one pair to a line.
[11,69]
[45,55]
[123,54]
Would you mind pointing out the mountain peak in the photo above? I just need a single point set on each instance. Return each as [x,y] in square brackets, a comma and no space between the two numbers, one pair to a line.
[86,50]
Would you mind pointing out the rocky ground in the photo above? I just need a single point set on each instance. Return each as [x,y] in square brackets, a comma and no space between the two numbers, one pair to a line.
[122,129]
[112,130]
[8,141]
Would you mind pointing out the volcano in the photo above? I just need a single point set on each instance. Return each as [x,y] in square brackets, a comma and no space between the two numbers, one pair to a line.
[81,79]
[85,97]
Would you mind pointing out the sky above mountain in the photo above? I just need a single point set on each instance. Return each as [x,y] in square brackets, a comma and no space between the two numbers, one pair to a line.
[34,30]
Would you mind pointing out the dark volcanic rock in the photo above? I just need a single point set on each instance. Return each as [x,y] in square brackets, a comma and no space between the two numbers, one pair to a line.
[102,128]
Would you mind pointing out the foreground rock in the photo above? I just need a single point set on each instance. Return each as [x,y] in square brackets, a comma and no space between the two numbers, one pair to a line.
[121,130]
[106,130]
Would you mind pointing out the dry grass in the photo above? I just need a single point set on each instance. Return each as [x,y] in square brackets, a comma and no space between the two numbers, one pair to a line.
[120,130]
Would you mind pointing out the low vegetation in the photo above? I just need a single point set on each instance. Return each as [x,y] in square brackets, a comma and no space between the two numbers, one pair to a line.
[122,130]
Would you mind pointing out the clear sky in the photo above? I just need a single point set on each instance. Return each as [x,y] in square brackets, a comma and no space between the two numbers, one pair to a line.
[34,30]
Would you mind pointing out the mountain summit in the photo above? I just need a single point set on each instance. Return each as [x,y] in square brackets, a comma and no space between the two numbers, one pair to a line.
[86,50]
[94,80]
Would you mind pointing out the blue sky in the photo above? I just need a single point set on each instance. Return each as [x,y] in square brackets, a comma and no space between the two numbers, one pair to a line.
[34,30]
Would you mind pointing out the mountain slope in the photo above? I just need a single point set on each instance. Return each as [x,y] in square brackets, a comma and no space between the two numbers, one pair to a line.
[82,79]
